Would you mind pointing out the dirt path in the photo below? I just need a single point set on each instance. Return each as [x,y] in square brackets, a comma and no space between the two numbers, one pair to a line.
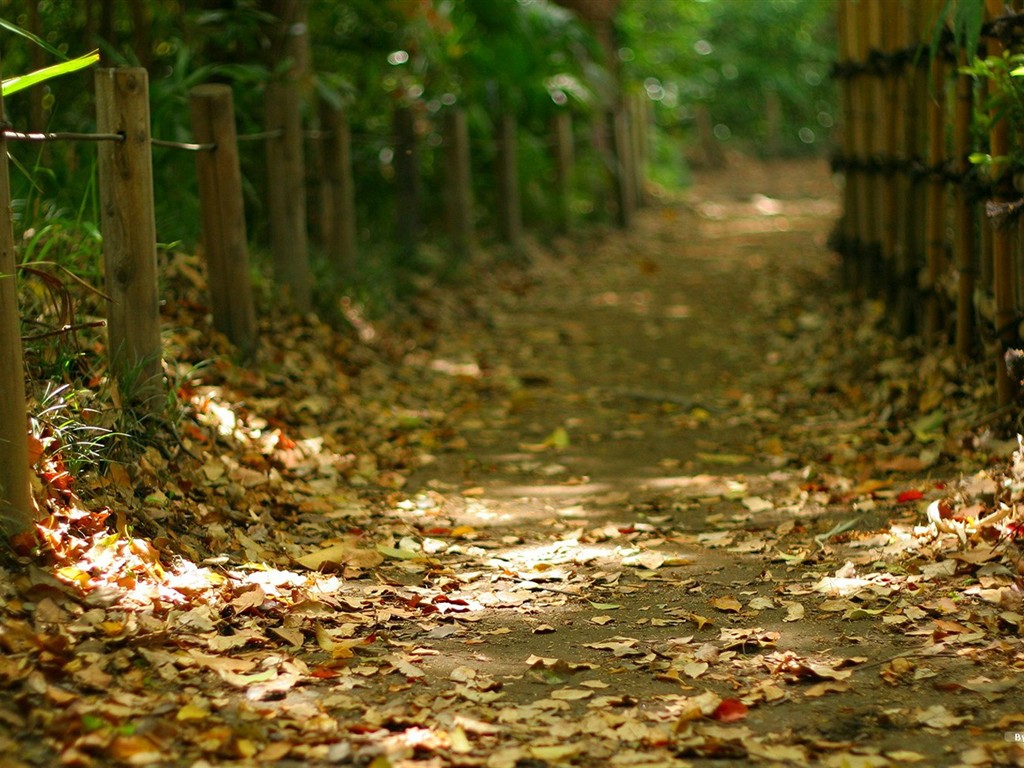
[616,510]
[636,486]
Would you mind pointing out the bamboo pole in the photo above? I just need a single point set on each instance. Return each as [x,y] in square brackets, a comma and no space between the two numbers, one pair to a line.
[225,247]
[864,94]
[911,234]
[935,207]
[1003,281]
[128,223]
[853,176]
[17,510]
[878,127]
[964,214]
[887,38]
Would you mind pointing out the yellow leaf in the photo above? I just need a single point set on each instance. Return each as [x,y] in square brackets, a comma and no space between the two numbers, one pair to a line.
[112,628]
[700,621]
[571,694]
[554,752]
[342,553]
[727,604]
[559,439]
[74,574]
[338,648]
[727,459]
[460,742]
[192,712]
[399,554]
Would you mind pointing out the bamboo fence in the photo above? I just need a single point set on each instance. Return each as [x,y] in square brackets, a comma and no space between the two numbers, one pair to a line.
[933,234]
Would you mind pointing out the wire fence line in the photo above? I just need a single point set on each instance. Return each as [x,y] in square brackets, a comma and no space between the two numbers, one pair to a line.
[11,134]
[33,136]
[188,146]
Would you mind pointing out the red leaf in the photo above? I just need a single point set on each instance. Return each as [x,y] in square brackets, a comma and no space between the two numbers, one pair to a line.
[911,495]
[729,711]
[323,673]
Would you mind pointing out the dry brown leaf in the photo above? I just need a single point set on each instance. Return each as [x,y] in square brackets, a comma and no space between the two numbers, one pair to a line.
[342,553]
[728,604]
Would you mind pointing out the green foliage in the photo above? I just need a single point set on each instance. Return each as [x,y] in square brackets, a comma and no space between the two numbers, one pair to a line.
[1004,101]
[761,69]
[965,19]
[1003,76]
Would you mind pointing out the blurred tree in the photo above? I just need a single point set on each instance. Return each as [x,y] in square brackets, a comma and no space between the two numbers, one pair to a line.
[756,72]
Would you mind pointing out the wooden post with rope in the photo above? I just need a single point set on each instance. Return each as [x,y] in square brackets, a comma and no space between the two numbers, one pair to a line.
[17,510]
[128,224]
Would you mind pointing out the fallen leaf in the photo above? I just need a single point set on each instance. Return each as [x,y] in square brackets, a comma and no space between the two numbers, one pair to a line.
[827,686]
[571,694]
[728,604]
[729,711]
[725,459]
[192,712]
[342,553]
[554,753]
[939,718]
[695,669]
[460,743]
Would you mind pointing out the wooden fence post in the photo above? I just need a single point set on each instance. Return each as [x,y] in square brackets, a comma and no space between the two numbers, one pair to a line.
[340,188]
[459,187]
[128,224]
[640,112]
[625,174]
[286,192]
[16,505]
[510,217]
[407,179]
[223,215]
[911,87]
[564,163]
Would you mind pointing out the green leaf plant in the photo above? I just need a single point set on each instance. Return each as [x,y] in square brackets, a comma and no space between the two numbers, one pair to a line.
[21,82]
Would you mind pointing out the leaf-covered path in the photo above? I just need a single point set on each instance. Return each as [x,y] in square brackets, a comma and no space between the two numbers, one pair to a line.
[638,505]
